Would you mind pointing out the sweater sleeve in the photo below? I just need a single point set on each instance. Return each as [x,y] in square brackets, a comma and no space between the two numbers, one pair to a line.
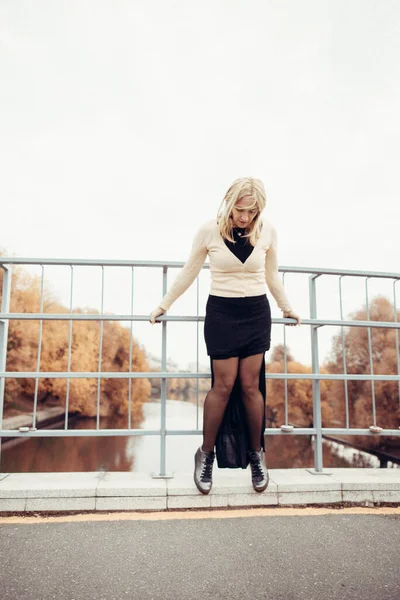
[190,271]
[272,277]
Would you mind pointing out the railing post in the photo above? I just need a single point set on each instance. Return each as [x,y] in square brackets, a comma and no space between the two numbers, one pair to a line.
[163,424]
[316,387]
[5,308]
[163,384]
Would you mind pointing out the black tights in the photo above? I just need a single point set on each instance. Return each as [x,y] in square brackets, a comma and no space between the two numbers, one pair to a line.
[225,372]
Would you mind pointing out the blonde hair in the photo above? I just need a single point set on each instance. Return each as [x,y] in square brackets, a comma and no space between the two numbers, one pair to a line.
[240,188]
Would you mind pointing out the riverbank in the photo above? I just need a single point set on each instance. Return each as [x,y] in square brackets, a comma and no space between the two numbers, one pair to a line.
[49,418]
[44,417]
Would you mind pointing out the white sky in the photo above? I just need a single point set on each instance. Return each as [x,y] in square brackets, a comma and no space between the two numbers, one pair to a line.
[122,124]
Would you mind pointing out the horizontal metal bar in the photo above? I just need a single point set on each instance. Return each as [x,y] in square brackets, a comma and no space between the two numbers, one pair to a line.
[180,375]
[296,431]
[345,272]
[331,431]
[12,260]
[91,317]
[93,432]
[76,432]
[9,260]
[196,318]
[138,432]
[352,431]
[102,374]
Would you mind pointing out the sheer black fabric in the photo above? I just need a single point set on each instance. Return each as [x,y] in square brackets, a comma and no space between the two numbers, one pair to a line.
[232,444]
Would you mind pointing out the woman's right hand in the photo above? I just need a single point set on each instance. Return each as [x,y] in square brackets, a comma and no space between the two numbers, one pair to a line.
[157,312]
[290,314]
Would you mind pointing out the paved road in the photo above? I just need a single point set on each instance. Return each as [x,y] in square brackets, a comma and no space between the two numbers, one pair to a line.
[336,556]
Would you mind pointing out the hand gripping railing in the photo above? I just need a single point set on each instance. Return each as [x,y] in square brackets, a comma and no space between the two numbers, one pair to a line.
[317,431]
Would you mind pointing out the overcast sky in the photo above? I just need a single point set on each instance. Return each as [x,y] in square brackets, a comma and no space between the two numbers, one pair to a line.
[124,122]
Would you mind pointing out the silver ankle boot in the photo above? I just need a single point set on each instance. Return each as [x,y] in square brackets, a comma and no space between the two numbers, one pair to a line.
[203,466]
[259,471]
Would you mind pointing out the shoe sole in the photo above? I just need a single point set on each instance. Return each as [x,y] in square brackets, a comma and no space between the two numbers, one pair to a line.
[205,492]
[259,490]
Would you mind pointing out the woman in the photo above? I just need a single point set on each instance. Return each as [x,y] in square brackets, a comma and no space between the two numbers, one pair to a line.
[242,250]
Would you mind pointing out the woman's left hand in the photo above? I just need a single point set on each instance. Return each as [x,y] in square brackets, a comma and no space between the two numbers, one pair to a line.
[290,314]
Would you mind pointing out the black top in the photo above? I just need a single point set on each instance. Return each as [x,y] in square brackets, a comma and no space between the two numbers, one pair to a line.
[242,247]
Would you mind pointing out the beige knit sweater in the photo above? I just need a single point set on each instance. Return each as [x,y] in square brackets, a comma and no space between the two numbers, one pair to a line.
[230,277]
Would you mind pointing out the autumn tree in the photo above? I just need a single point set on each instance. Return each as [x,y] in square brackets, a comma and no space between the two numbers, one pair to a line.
[22,355]
[357,356]
[300,400]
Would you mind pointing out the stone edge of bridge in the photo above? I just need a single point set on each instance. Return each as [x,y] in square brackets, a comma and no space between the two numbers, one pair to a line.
[119,491]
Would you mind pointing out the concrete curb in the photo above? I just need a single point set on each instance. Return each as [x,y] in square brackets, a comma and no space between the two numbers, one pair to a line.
[116,491]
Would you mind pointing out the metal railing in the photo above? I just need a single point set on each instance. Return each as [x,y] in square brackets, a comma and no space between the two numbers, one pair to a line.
[317,431]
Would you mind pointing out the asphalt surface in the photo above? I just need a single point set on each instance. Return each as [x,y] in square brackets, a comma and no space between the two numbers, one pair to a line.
[308,557]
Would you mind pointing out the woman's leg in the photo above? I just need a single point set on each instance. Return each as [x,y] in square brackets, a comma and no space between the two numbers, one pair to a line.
[253,400]
[225,372]
[249,369]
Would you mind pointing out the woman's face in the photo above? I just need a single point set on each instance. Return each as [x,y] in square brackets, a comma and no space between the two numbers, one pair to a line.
[244,212]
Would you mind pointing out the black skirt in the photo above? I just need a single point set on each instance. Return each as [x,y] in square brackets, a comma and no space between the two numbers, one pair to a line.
[237,327]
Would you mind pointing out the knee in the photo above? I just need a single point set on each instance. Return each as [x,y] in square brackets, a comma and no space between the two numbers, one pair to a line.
[250,387]
[223,387]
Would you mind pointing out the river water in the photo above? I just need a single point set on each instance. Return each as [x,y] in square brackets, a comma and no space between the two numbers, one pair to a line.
[142,453]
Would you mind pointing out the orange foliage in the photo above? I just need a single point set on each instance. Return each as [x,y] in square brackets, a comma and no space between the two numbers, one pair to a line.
[300,402]
[22,355]
[384,361]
